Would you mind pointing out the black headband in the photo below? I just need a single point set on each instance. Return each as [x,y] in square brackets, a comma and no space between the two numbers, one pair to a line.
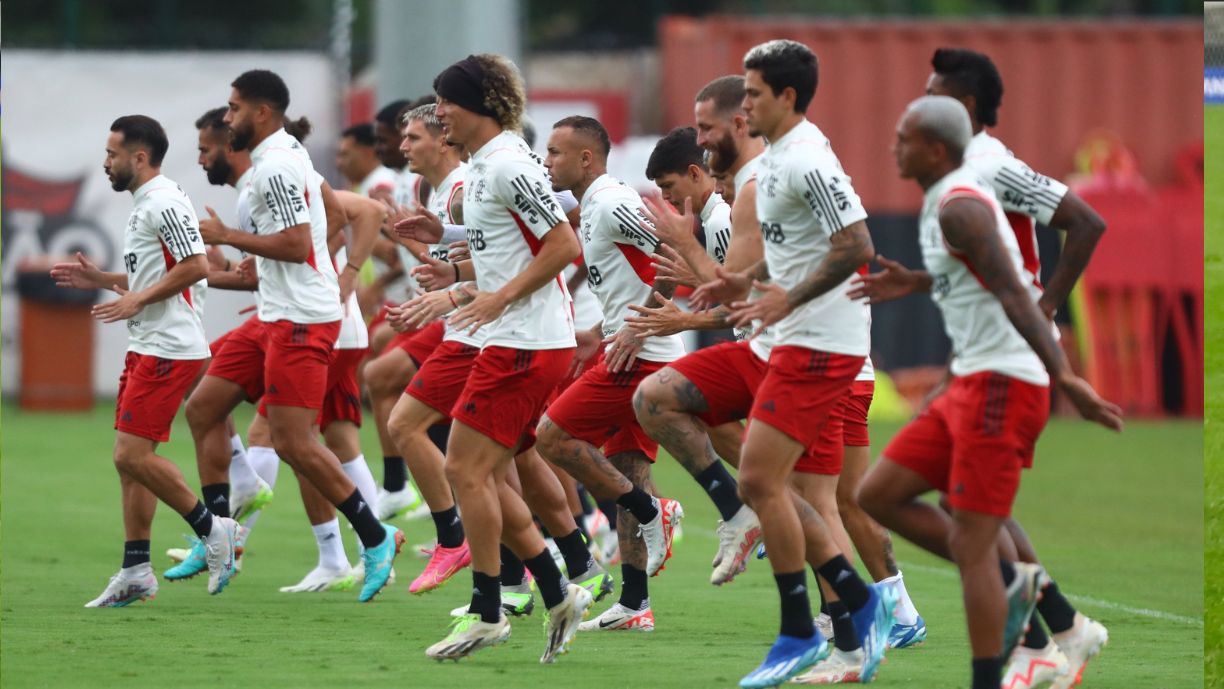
[463,84]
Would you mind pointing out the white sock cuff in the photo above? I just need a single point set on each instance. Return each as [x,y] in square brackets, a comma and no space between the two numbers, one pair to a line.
[894,579]
[325,528]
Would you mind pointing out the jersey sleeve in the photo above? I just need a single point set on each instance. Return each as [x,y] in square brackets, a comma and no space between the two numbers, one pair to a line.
[178,228]
[629,225]
[826,190]
[1023,190]
[278,199]
[523,187]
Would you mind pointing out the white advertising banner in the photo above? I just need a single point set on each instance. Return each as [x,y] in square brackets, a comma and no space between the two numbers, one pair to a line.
[58,107]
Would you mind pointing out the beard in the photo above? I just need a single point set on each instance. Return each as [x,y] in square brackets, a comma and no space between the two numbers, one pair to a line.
[121,180]
[240,139]
[219,171]
[723,155]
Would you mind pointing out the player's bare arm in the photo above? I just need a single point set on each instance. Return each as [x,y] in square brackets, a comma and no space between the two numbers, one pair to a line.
[83,273]
[893,282]
[1084,227]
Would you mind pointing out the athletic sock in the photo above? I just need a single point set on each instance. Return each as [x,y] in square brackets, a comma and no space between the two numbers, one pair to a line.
[200,519]
[846,583]
[331,545]
[449,527]
[486,597]
[634,589]
[796,609]
[360,514]
[585,499]
[721,488]
[135,553]
[513,571]
[216,496]
[1055,609]
[548,578]
[1036,637]
[586,537]
[265,463]
[905,611]
[395,474]
[241,474]
[359,473]
[824,604]
[845,638]
[577,557]
[439,434]
[987,673]
[639,503]
[608,507]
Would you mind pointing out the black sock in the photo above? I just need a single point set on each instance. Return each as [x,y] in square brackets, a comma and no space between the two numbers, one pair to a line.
[1009,572]
[200,519]
[585,499]
[796,608]
[513,572]
[824,604]
[1036,638]
[845,637]
[548,578]
[439,434]
[634,590]
[486,597]
[639,503]
[543,530]
[1055,609]
[135,553]
[361,515]
[216,497]
[395,474]
[845,582]
[586,537]
[577,557]
[449,527]
[987,673]
[608,507]
[721,488]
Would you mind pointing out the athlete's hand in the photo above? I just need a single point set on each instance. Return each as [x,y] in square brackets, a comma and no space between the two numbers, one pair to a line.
[622,349]
[664,319]
[458,251]
[433,273]
[248,272]
[674,228]
[418,224]
[670,266]
[484,308]
[724,289]
[348,283]
[894,282]
[589,343]
[422,309]
[127,305]
[80,274]
[1090,405]
[216,258]
[769,307]
[212,230]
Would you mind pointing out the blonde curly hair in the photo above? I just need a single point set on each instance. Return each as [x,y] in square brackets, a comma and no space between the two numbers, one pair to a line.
[503,88]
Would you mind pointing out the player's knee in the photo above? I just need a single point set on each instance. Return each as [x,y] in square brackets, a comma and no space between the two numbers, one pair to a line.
[649,400]
[753,487]
[549,437]
[200,412]
[128,458]
[871,500]
[459,476]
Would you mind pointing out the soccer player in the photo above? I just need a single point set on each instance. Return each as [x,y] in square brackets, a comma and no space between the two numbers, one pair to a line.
[357,160]
[677,167]
[520,243]
[595,412]
[163,258]
[299,305]
[810,217]
[1006,358]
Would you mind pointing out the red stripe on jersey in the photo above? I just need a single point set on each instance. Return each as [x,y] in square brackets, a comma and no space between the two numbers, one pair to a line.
[170,263]
[534,243]
[310,259]
[960,192]
[1026,236]
[961,257]
[863,269]
[640,262]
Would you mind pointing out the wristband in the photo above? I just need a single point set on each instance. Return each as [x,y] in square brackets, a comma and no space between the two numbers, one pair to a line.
[457,280]
[452,298]
[351,265]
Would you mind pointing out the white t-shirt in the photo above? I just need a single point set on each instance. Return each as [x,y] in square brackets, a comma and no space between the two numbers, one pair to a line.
[508,208]
[763,344]
[381,178]
[716,226]
[441,202]
[804,198]
[405,193]
[353,332]
[983,339]
[161,231]
[617,241]
[286,192]
[243,210]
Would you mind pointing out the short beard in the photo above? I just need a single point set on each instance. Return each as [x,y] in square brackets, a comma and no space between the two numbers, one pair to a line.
[240,140]
[122,180]
[219,172]
[723,155]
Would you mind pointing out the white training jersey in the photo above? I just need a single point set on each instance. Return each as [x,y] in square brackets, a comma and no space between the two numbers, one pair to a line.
[983,339]
[161,231]
[243,210]
[1028,197]
[803,199]
[587,312]
[381,179]
[761,345]
[441,201]
[353,331]
[617,241]
[286,192]
[716,227]
[507,209]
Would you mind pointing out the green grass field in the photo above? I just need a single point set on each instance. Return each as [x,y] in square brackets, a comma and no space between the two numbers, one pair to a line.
[1213,425]
[1118,520]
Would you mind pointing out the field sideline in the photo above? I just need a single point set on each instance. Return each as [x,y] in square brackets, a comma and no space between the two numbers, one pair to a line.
[1117,518]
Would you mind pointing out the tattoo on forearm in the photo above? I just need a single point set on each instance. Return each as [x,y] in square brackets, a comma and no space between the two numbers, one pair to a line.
[845,257]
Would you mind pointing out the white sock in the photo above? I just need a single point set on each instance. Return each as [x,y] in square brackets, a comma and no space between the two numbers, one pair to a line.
[359,473]
[265,463]
[905,612]
[331,546]
[243,478]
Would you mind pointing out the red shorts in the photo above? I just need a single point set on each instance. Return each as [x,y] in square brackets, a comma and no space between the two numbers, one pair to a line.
[845,427]
[379,319]
[853,413]
[151,390]
[298,357]
[240,357]
[506,391]
[973,440]
[216,345]
[598,408]
[442,376]
[342,401]
[727,376]
[421,343]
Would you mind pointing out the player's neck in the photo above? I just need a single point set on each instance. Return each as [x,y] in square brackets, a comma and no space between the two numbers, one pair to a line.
[594,173]
[703,198]
[749,149]
[143,177]
[237,171]
[484,132]
[935,174]
[785,125]
[365,171]
[438,174]
[261,133]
